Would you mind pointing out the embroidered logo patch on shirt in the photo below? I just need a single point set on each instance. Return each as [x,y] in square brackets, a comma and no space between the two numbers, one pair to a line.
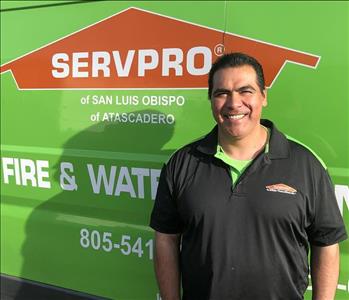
[281,188]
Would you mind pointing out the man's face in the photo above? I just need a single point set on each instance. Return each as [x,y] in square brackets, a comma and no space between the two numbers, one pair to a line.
[237,102]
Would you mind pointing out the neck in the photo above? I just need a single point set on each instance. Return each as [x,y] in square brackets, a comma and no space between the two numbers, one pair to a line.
[245,148]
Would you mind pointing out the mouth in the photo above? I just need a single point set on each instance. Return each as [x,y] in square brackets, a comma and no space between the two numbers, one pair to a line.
[234,116]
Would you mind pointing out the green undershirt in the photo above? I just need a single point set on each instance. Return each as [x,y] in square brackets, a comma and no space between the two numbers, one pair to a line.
[237,166]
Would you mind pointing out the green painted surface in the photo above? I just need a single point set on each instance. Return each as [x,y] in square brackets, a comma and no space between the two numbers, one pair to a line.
[42,230]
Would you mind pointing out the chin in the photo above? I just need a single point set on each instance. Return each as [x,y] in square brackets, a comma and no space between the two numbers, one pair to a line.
[230,132]
[234,132]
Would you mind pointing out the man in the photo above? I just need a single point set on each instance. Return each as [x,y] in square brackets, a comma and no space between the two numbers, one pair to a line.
[237,211]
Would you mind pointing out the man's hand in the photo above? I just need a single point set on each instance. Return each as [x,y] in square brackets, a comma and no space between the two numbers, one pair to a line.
[167,265]
[324,271]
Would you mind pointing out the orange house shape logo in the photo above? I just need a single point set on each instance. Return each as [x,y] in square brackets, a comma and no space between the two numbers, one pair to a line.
[138,49]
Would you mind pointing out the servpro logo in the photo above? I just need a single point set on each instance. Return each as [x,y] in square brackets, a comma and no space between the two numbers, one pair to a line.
[281,188]
[100,64]
[155,52]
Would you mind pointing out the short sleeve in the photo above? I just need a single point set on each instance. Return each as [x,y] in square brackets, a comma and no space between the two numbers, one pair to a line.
[165,217]
[327,227]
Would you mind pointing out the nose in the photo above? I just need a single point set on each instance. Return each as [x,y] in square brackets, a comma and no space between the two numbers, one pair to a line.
[233,100]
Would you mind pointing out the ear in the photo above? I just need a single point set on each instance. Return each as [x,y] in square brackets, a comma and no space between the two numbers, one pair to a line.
[265,101]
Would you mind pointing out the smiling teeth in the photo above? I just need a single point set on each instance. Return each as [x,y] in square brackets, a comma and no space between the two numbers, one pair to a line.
[236,117]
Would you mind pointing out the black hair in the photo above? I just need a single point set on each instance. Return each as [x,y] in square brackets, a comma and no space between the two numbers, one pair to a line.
[231,60]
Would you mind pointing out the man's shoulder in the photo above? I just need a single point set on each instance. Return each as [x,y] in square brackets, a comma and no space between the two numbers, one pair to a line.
[301,151]
[189,149]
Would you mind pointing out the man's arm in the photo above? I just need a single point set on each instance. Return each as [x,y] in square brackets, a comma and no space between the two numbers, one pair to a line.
[167,265]
[324,271]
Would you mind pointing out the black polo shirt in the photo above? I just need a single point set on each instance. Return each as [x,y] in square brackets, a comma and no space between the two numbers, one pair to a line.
[250,241]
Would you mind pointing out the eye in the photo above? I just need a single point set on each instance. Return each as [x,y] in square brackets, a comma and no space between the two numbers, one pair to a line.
[220,94]
[245,92]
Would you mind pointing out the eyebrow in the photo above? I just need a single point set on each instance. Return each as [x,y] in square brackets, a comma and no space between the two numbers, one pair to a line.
[246,87]
[223,90]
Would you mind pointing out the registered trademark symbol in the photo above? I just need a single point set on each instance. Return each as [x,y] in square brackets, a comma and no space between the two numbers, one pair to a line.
[219,49]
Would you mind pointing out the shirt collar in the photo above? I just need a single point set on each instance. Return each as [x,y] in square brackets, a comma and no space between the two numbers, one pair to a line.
[208,144]
[278,144]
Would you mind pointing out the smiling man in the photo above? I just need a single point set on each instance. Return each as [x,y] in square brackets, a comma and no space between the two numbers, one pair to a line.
[238,211]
